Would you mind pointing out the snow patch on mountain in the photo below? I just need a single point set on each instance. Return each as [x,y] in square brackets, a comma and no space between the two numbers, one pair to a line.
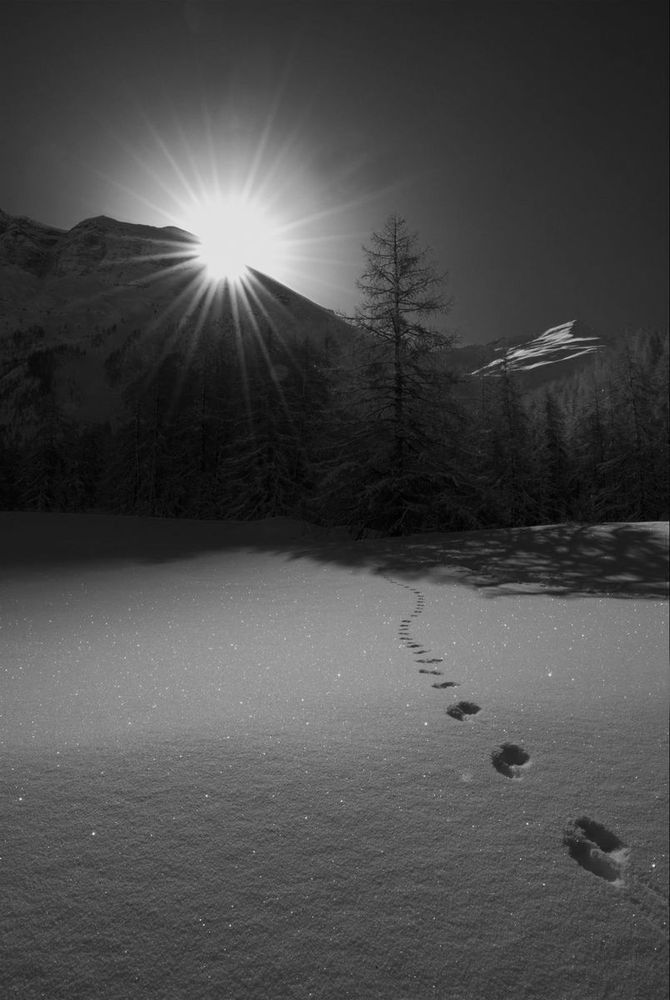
[558,344]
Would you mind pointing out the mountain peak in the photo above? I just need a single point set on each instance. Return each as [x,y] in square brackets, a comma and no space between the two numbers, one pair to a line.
[104,275]
[100,245]
[550,351]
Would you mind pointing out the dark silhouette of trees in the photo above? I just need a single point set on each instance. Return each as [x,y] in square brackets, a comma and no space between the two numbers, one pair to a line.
[401,291]
[378,436]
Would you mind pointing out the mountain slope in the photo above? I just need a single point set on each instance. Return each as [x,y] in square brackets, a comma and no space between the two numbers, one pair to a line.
[552,354]
[103,272]
[558,353]
[72,303]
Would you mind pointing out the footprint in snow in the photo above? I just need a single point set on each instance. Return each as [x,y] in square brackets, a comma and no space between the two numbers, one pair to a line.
[404,633]
[605,855]
[596,849]
[463,710]
[510,760]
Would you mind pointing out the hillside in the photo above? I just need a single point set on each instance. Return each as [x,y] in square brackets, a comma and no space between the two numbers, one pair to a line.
[553,356]
[73,302]
[104,273]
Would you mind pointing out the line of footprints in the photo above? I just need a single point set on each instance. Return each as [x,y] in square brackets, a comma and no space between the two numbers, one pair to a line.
[590,844]
[509,759]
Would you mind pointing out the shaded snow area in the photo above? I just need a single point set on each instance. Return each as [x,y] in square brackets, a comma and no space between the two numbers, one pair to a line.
[262,761]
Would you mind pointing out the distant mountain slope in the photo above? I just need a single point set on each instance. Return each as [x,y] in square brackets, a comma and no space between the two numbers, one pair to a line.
[558,353]
[556,346]
[104,273]
[72,302]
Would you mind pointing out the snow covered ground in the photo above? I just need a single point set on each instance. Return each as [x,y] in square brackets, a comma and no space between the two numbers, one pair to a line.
[227,771]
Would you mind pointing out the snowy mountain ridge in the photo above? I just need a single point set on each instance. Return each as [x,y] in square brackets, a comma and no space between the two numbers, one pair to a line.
[97,244]
[559,344]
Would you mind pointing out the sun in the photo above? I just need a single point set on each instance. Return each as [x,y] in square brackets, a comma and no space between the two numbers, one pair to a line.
[234,234]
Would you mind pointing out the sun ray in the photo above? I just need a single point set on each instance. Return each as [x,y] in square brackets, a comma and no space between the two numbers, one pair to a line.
[244,290]
[247,200]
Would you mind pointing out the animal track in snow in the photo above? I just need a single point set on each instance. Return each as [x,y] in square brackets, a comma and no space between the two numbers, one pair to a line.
[589,843]
[596,849]
[404,634]
[510,760]
[602,853]
[462,710]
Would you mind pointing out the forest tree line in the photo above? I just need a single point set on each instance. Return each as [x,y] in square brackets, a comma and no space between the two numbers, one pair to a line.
[383,437]
[289,432]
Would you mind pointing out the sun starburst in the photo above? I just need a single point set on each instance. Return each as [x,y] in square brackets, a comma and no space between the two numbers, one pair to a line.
[234,234]
[237,203]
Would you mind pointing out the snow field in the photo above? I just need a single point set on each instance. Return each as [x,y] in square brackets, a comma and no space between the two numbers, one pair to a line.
[298,816]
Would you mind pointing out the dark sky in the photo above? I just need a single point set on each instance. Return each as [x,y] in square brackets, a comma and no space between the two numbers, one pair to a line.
[525,142]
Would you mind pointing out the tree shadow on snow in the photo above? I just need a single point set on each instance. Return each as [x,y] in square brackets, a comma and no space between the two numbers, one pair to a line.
[622,560]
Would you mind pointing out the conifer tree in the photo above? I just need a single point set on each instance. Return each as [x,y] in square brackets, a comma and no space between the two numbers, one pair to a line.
[555,494]
[508,472]
[401,291]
